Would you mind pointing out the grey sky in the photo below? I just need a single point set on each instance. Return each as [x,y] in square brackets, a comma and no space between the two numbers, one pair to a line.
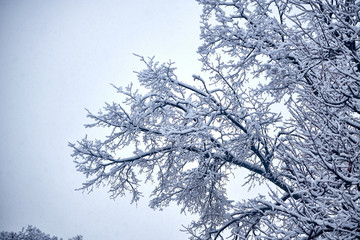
[57,58]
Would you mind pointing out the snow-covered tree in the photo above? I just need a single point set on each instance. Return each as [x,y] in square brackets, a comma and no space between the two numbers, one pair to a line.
[31,233]
[279,96]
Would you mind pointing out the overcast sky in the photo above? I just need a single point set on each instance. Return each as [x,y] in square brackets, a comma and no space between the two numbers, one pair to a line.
[57,58]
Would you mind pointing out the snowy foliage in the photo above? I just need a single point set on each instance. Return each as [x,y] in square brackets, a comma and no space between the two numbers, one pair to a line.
[279,97]
[31,233]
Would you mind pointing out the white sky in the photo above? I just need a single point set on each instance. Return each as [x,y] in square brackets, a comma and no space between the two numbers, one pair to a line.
[57,58]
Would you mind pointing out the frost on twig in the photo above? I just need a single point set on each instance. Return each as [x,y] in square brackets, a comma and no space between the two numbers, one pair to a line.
[191,136]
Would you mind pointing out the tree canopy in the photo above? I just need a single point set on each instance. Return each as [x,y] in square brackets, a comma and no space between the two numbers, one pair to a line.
[31,233]
[278,95]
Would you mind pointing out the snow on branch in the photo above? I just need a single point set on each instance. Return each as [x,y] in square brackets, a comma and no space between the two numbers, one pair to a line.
[280,99]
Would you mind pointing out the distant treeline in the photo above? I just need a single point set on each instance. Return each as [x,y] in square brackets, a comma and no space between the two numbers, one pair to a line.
[32,233]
